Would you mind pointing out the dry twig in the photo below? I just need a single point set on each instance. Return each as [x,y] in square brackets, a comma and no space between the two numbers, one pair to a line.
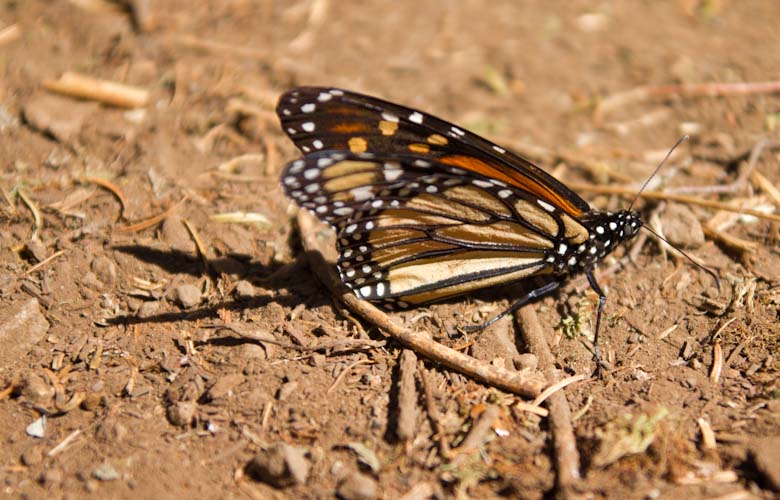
[104,91]
[113,189]
[566,457]
[433,411]
[153,221]
[45,261]
[407,396]
[646,93]
[658,195]
[10,34]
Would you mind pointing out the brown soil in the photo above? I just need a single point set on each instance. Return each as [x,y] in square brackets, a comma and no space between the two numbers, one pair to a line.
[144,400]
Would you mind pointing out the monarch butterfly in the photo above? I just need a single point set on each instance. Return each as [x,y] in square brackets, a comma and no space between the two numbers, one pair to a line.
[424,210]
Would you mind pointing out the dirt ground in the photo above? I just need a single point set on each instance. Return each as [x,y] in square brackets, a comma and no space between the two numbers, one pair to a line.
[116,382]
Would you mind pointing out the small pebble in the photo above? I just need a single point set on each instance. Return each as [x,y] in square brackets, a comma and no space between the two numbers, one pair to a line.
[286,390]
[32,456]
[181,413]
[50,477]
[244,290]
[357,486]
[765,453]
[224,386]
[188,296]
[37,391]
[148,309]
[176,235]
[35,250]
[252,351]
[526,361]
[91,280]
[105,472]
[681,226]
[57,116]
[104,269]
[37,429]
[773,405]
[281,466]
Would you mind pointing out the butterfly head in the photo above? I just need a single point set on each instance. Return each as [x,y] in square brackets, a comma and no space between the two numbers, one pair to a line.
[606,231]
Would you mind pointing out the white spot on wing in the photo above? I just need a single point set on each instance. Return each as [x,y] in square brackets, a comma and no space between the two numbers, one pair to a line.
[324,97]
[499,149]
[317,144]
[546,205]
[361,193]
[562,248]
[308,126]
[416,118]
[389,117]
[297,166]
[391,175]
[311,173]
[482,184]
[309,107]
[504,193]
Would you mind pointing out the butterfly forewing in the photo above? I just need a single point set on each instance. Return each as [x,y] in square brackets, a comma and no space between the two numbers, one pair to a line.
[321,118]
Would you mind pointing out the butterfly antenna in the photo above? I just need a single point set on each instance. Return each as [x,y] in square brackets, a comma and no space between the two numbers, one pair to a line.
[700,266]
[679,141]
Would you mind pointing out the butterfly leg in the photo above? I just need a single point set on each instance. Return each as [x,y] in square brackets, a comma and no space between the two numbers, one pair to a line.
[602,300]
[533,294]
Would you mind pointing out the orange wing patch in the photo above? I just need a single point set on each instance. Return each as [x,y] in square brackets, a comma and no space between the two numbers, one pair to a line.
[504,174]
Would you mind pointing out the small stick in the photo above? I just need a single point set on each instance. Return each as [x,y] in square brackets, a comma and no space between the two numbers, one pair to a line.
[10,34]
[521,383]
[746,170]
[64,444]
[717,362]
[198,244]
[532,408]
[730,241]
[37,218]
[658,195]
[113,188]
[477,435]
[433,411]
[140,226]
[45,261]
[346,371]
[641,94]
[193,42]
[707,435]
[541,398]
[566,457]
[407,396]
[421,491]
[347,343]
[766,185]
[104,91]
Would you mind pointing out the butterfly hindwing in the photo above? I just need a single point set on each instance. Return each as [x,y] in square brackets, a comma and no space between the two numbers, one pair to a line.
[412,230]
[321,118]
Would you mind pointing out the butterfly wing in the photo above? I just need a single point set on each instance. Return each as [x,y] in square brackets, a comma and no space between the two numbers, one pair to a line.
[321,118]
[414,230]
